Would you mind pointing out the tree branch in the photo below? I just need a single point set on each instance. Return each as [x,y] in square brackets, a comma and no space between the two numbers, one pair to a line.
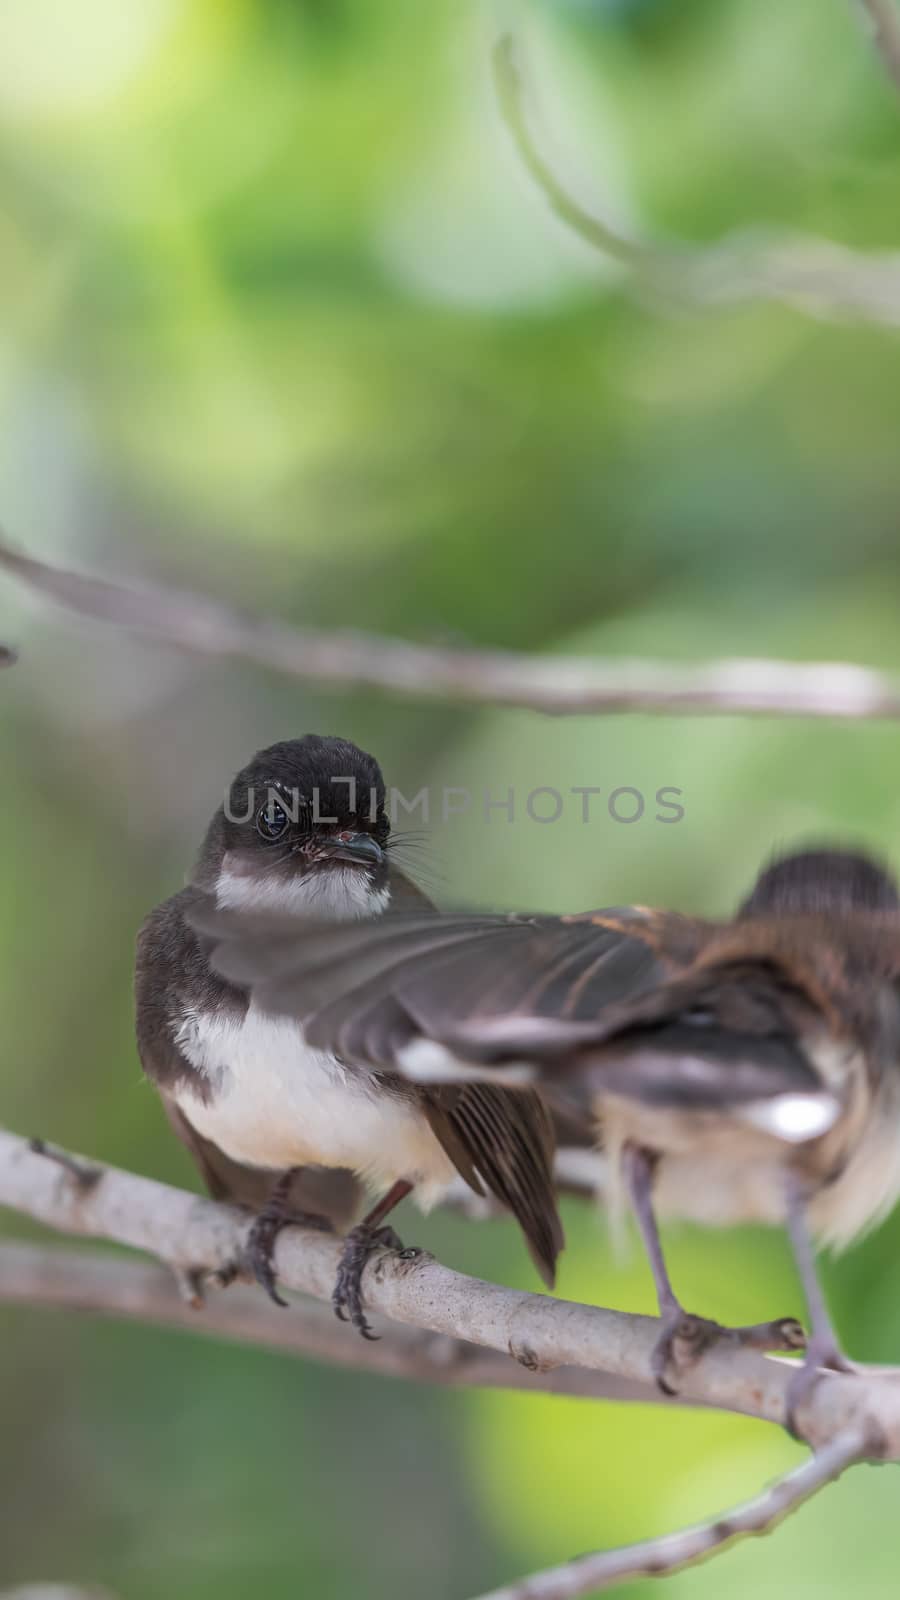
[556,685]
[59,1278]
[815,276]
[452,1330]
[194,1235]
[654,1558]
[884,26]
[55,1591]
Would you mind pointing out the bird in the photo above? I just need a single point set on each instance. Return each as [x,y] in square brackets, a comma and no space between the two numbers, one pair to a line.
[291,1130]
[744,1069]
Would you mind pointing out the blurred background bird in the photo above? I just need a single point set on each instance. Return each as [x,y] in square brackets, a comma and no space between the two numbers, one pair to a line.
[739,1072]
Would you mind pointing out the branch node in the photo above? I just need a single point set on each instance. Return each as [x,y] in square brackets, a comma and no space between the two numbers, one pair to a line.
[399,1263]
[528,1358]
[84,1174]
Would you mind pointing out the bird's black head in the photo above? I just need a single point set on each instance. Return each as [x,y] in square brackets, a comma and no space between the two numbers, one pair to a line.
[303,829]
[816,882]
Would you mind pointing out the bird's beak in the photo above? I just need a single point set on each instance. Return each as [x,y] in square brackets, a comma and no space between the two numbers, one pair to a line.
[359,849]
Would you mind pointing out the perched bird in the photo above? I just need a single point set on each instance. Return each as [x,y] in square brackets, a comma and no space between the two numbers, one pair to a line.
[737,1071]
[274,1122]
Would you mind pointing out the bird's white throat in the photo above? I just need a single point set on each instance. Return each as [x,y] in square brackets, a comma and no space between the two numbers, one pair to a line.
[335,894]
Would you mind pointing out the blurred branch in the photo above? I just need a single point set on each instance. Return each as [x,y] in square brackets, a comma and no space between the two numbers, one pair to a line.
[553,684]
[60,1278]
[454,1330]
[194,1237]
[55,1591]
[884,25]
[7,656]
[815,276]
[656,1558]
[589,227]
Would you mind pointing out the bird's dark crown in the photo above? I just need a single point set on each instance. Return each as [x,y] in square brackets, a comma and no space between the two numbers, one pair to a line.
[814,882]
[324,785]
[329,775]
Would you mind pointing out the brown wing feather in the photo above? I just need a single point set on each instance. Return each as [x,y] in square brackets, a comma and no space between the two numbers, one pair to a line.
[502,1141]
[720,1035]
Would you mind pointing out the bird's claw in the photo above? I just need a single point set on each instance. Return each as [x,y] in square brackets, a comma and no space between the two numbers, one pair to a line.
[261,1250]
[821,1356]
[264,1231]
[359,1245]
[685,1337]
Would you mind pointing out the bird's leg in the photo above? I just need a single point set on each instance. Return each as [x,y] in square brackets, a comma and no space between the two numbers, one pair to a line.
[679,1326]
[685,1336]
[277,1213]
[823,1348]
[361,1241]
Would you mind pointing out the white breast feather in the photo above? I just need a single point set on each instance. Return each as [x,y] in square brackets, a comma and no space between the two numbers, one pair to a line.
[276,1103]
[869,1186]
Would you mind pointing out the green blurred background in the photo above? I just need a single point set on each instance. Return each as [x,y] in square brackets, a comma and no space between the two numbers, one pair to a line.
[283,320]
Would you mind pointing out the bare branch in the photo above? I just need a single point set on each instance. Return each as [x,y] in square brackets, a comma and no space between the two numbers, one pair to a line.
[556,685]
[884,26]
[54,1591]
[592,229]
[544,1334]
[61,1278]
[815,276]
[452,1330]
[655,1558]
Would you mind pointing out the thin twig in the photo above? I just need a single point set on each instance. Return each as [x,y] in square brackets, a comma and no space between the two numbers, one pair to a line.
[655,1558]
[543,1333]
[556,685]
[59,1278]
[592,229]
[884,26]
[818,277]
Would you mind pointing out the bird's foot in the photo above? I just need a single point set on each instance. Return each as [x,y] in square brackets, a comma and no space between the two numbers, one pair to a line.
[361,1242]
[260,1246]
[685,1337]
[680,1345]
[822,1355]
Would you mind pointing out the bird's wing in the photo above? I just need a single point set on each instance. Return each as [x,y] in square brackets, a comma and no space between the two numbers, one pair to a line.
[405,991]
[611,1002]
[503,1142]
[471,990]
[742,1036]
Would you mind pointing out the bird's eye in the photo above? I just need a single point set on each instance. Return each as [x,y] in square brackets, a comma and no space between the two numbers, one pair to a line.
[272,821]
